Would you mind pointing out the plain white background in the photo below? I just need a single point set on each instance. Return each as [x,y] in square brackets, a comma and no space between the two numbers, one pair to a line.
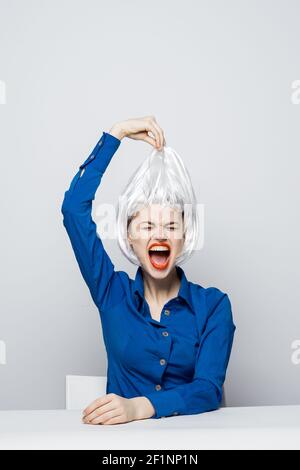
[218,77]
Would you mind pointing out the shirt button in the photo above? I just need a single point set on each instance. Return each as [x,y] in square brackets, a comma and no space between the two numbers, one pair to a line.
[165,333]
[162,362]
[167,312]
[158,387]
[175,413]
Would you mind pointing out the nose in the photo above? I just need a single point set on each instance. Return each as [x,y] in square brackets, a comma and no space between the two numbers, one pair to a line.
[160,239]
[159,234]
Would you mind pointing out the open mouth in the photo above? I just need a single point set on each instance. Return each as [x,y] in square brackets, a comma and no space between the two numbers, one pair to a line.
[159,255]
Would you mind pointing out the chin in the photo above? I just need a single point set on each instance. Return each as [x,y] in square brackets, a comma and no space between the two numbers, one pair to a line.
[161,272]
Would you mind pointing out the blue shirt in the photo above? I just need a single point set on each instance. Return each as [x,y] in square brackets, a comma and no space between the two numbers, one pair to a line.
[179,363]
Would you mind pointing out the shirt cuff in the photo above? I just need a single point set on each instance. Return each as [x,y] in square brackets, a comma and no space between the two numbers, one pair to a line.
[109,144]
[166,403]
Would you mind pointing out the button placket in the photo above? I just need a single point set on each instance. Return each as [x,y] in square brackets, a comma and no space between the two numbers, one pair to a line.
[91,157]
[88,160]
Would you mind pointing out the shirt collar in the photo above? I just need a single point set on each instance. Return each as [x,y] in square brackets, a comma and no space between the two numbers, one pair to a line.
[184,290]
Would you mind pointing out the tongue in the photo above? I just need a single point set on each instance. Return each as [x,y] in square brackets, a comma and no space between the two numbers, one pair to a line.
[159,258]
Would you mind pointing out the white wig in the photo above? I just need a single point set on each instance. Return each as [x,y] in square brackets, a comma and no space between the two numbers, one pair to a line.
[161,179]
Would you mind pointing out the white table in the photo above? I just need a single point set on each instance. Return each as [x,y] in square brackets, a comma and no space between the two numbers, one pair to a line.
[261,427]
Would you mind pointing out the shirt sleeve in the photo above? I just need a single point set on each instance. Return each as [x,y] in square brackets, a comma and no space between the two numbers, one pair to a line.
[95,265]
[204,392]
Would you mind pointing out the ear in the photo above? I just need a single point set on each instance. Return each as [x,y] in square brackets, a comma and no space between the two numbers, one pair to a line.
[129,238]
[128,230]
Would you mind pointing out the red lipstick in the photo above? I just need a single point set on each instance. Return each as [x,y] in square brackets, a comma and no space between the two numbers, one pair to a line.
[159,259]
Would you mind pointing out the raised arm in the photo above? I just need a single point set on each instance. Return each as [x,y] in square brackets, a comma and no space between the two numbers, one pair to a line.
[204,393]
[95,265]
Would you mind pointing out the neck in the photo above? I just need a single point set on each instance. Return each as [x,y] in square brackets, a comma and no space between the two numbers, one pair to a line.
[160,290]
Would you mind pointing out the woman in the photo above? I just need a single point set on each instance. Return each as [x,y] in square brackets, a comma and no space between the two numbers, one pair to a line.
[168,340]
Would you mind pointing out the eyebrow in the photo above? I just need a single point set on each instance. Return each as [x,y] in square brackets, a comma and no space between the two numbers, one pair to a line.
[151,223]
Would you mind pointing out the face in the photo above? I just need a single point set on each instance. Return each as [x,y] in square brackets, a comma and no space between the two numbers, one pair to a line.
[156,235]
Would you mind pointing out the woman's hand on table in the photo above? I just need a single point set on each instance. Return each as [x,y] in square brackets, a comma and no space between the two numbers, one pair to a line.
[114,409]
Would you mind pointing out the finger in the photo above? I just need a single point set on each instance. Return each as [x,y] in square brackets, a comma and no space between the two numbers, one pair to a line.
[160,132]
[116,420]
[99,411]
[96,403]
[143,136]
[159,129]
[106,416]
[151,128]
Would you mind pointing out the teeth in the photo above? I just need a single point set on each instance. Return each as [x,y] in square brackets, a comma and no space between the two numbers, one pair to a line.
[159,248]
